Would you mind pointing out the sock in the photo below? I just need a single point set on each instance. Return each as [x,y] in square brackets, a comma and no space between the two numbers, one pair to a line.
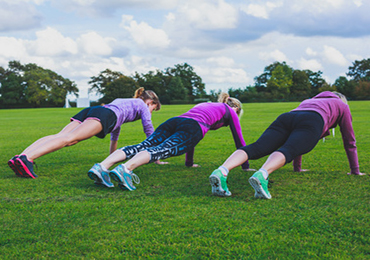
[104,169]
[224,170]
[264,173]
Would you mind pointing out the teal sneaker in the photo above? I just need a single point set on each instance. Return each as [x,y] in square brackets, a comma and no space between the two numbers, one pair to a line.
[124,177]
[101,177]
[218,183]
[259,184]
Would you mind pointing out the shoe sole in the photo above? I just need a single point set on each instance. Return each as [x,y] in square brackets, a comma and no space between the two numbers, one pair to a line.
[216,186]
[12,165]
[98,180]
[26,173]
[122,184]
[259,191]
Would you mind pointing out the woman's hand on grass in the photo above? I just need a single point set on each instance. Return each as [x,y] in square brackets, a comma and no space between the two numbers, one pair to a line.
[160,162]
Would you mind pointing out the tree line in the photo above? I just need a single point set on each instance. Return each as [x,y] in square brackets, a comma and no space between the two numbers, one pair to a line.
[30,85]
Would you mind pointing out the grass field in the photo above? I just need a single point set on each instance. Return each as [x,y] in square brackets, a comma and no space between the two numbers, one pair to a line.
[320,214]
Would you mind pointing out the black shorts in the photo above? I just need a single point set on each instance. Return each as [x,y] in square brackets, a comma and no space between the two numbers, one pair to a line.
[105,116]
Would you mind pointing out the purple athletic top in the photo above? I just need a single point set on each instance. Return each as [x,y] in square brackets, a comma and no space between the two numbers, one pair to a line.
[212,116]
[334,112]
[129,110]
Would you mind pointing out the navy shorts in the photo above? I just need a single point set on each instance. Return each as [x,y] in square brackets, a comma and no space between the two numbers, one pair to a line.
[105,116]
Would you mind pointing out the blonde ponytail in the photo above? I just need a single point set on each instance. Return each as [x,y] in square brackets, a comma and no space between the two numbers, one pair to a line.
[232,102]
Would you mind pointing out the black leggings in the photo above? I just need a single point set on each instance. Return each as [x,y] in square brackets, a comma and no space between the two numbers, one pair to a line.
[295,133]
[174,137]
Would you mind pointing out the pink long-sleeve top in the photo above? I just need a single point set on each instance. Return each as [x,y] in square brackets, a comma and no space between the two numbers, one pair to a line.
[212,116]
[129,110]
[334,112]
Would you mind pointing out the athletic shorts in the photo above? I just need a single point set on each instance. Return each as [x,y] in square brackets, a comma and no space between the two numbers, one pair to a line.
[105,116]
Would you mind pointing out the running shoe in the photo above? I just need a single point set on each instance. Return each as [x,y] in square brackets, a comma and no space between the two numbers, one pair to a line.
[25,167]
[259,184]
[101,177]
[12,165]
[219,184]
[124,177]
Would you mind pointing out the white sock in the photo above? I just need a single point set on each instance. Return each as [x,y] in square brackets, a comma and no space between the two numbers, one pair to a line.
[104,169]
[264,173]
[224,170]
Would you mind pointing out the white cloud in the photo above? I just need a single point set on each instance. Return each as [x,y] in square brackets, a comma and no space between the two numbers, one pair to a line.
[94,44]
[208,15]
[275,55]
[12,48]
[145,35]
[260,10]
[332,55]
[311,52]
[358,3]
[311,64]
[51,42]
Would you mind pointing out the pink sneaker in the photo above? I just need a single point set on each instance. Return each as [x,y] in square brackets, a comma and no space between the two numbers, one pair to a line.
[25,167]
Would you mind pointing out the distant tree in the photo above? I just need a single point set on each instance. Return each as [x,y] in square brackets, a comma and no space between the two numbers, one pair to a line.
[122,87]
[29,83]
[345,86]
[280,81]
[176,89]
[360,70]
[261,80]
[99,83]
[191,81]
[301,86]
[362,90]
[45,87]
[316,81]
[11,88]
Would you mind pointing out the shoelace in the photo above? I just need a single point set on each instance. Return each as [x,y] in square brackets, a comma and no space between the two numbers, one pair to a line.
[135,178]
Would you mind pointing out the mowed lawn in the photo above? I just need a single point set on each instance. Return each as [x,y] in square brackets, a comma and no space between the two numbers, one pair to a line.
[320,214]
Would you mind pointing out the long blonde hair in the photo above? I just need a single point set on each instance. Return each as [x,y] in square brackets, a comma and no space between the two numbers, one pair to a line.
[232,102]
[341,96]
[148,94]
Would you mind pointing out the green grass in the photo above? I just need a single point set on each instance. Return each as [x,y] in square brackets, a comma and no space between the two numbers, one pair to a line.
[320,214]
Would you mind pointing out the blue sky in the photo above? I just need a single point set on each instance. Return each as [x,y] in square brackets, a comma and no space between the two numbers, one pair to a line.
[228,42]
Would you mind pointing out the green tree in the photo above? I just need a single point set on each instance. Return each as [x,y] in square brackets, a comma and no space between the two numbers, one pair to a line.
[316,81]
[100,83]
[44,87]
[301,86]
[360,70]
[176,89]
[11,88]
[345,86]
[122,87]
[280,81]
[191,81]
[156,81]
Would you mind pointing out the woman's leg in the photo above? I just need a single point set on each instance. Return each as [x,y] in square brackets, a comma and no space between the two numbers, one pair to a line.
[73,133]
[72,125]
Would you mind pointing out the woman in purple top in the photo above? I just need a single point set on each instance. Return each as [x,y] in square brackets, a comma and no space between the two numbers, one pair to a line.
[98,121]
[176,136]
[288,137]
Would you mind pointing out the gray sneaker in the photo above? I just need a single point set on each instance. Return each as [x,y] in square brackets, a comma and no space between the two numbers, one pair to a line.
[101,177]
[124,177]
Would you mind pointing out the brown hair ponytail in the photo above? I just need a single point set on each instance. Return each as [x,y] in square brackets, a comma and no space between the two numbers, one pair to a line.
[148,94]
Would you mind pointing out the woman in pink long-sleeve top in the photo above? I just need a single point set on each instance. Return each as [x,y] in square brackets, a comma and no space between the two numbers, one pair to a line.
[176,136]
[92,121]
[288,137]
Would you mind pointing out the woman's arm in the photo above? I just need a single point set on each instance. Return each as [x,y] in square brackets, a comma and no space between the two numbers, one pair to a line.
[113,146]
